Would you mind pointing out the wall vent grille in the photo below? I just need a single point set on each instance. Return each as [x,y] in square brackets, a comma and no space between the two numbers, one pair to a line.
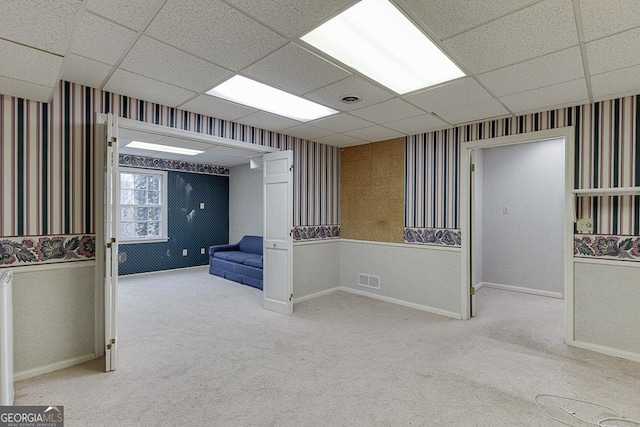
[368,281]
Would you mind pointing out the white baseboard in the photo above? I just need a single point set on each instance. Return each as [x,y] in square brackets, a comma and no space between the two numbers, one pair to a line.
[519,289]
[315,295]
[634,357]
[30,373]
[401,302]
[381,298]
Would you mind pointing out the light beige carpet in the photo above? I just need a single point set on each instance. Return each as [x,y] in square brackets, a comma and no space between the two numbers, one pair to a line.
[196,350]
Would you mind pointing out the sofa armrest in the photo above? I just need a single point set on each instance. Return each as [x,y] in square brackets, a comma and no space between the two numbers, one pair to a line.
[222,248]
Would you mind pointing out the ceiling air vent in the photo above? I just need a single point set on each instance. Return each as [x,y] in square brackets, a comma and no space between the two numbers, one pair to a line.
[350,99]
[368,281]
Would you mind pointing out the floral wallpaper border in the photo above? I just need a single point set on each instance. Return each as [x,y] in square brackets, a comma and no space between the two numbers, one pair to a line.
[433,236]
[625,248]
[30,250]
[172,165]
[315,232]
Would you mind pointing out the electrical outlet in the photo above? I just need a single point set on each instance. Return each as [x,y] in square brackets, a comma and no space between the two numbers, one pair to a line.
[201,205]
[585,225]
[184,252]
[202,252]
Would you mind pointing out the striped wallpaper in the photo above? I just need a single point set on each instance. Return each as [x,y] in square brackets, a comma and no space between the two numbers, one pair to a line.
[47,159]
[607,154]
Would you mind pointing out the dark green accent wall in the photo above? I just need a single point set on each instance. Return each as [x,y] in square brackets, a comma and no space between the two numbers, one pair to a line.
[189,226]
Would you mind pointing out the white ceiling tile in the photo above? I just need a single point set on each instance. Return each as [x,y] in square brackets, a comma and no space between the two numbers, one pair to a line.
[307,131]
[184,143]
[25,90]
[216,107]
[28,64]
[223,151]
[547,70]
[388,111]
[574,91]
[537,30]
[85,71]
[375,133]
[616,83]
[125,136]
[130,84]
[342,122]
[101,40]
[470,112]
[614,52]
[603,18]
[448,17]
[267,121]
[292,18]
[157,60]
[214,31]
[340,140]
[42,24]
[458,92]
[133,14]
[418,124]
[354,85]
[295,70]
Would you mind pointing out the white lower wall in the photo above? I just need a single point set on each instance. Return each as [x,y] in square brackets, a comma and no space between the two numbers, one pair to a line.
[422,276]
[315,267]
[53,317]
[606,306]
[245,202]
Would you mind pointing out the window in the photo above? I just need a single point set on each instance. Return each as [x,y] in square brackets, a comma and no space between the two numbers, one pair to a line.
[143,205]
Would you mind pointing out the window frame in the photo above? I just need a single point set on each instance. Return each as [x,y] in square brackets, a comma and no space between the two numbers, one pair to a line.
[164,236]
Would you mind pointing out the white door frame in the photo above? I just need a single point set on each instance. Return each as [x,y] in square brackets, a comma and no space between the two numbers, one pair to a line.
[566,133]
[124,123]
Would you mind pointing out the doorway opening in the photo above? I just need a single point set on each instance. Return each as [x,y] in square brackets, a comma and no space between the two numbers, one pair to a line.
[215,150]
[517,211]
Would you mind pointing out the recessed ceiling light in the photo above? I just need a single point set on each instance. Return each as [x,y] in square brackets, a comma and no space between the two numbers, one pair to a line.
[376,39]
[258,95]
[164,148]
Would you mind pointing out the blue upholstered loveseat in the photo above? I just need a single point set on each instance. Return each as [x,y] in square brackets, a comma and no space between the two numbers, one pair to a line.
[241,262]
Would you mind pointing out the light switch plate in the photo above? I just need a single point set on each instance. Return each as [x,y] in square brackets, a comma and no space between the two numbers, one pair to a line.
[201,205]
[585,225]
[184,252]
[201,251]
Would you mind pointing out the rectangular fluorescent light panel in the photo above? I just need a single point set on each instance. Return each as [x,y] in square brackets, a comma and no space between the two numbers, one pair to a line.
[376,39]
[163,148]
[254,94]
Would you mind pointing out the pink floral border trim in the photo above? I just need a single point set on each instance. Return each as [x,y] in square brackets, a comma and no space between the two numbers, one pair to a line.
[433,236]
[315,232]
[32,250]
[624,248]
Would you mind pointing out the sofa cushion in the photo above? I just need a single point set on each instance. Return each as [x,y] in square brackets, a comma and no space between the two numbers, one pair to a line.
[226,254]
[251,244]
[255,261]
[239,257]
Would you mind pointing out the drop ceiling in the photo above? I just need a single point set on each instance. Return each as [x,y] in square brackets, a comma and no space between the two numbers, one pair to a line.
[520,56]
[215,150]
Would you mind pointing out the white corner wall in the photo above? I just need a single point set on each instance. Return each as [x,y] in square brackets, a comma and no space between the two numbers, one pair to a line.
[315,268]
[606,313]
[423,277]
[245,202]
[54,317]
[524,248]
